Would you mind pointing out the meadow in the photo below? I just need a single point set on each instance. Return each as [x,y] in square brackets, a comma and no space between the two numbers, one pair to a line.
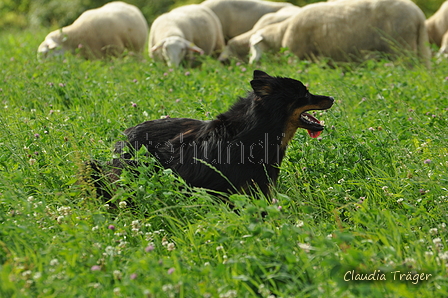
[365,200]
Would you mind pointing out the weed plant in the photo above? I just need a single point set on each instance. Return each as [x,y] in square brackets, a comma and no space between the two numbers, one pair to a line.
[366,199]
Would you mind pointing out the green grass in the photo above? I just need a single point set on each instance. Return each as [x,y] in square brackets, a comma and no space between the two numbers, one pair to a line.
[370,194]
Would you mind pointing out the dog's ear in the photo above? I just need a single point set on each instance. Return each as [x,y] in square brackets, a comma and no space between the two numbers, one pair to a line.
[261,87]
[258,74]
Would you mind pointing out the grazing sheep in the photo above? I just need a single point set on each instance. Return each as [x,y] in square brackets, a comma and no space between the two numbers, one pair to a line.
[239,45]
[437,26]
[239,16]
[345,29]
[189,28]
[100,32]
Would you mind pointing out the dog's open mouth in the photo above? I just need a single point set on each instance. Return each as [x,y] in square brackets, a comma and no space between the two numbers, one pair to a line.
[312,124]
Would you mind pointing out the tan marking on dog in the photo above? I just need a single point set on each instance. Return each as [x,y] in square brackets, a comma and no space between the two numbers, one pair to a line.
[293,123]
[291,127]
[182,135]
[265,90]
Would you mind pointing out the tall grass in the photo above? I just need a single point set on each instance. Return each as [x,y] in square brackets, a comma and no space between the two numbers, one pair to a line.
[369,196]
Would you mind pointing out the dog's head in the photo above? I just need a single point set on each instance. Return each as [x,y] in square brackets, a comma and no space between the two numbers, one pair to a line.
[292,99]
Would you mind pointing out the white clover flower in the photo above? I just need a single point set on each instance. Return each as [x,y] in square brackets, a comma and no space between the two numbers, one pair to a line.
[110,251]
[167,288]
[37,275]
[444,256]
[54,262]
[263,291]
[117,274]
[229,294]
[305,247]
[437,240]
[433,231]
[95,285]
[122,204]
[64,210]
[26,273]
[170,246]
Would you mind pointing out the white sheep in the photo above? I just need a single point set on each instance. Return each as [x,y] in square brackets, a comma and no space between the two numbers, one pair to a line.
[239,16]
[346,29]
[239,45]
[437,26]
[186,29]
[100,32]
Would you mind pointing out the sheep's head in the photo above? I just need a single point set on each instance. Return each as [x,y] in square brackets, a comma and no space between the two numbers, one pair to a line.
[52,45]
[174,49]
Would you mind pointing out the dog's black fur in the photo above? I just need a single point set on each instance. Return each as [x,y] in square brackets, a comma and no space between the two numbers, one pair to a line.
[241,149]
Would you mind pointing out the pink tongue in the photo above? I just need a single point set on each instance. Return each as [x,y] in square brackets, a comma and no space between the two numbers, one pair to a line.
[314,134]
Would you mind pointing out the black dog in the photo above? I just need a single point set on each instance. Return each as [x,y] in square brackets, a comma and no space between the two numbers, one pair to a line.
[242,149]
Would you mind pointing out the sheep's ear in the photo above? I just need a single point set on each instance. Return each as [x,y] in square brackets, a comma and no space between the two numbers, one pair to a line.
[194,48]
[258,74]
[51,44]
[157,46]
[255,38]
[261,86]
